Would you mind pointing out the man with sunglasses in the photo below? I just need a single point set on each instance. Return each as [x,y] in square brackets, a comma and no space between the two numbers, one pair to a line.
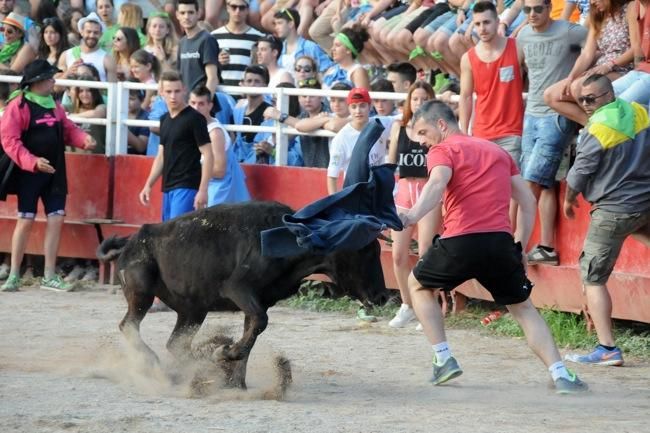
[550,50]
[612,172]
[285,23]
[236,40]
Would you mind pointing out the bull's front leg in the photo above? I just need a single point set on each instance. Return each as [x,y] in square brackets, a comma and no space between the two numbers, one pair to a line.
[254,325]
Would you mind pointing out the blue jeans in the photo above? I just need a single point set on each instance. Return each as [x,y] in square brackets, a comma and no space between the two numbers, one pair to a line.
[542,147]
[633,87]
[177,202]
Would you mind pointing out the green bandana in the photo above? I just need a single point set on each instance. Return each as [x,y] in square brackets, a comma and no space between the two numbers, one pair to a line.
[9,50]
[343,38]
[617,115]
[43,101]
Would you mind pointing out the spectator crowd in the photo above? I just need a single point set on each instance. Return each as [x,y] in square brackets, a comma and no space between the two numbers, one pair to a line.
[481,57]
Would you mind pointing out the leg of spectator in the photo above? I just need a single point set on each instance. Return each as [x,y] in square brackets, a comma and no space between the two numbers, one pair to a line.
[600,309]
[547,214]
[637,91]
[538,335]
[213,12]
[19,243]
[306,10]
[449,59]
[563,104]
[458,45]
[427,310]
[51,245]
[321,29]
[401,264]
[267,19]
[403,42]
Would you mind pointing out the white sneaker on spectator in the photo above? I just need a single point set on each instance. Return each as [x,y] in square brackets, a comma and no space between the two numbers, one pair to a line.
[29,273]
[4,271]
[76,273]
[90,274]
[404,315]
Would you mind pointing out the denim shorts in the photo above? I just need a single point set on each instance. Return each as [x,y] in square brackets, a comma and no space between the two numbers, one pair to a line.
[436,24]
[177,202]
[605,237]
[542,147]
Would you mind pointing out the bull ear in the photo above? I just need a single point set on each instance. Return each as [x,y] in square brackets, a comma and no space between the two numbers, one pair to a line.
[384,238]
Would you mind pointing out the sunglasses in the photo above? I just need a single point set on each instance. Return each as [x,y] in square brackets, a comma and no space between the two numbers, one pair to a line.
[590,99]
[50,20]
[287,12]
[8,30]
[538,9]
[308,82]
[300,68]
[238,7]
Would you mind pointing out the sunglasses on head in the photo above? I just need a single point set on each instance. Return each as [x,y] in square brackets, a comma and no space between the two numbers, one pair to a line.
[538,9]
[300,68]
[287,12]
[238,7]
[50,20]
[590,99]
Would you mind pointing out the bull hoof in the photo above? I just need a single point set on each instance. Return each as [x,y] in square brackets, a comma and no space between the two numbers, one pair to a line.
[229,353]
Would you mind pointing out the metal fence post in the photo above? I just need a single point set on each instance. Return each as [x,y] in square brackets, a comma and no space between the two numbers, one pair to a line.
[111,94]
[281,138]
[121,114]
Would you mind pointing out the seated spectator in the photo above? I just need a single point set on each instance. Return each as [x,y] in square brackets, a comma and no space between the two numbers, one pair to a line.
[305,68]
[125,43]
[342,144]
[347,46]
[383,107]
[106,11]
[228,181]
[13,29]
[571,6]
[161,40]
[269,49]
[251,112]
[635,85]
[137,136]
[330,121]
[236,40]
[53,41]
[71,20]
[315,150]
[607,51]
[294,153]
[88,103]
[293,46]
[144,68]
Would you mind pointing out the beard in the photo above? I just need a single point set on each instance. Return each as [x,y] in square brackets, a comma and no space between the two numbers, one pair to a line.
[91,42]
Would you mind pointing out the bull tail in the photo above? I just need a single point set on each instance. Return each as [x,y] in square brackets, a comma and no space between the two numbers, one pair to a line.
[111,248]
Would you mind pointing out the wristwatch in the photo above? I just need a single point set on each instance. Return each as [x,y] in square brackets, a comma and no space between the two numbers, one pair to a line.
[283,117]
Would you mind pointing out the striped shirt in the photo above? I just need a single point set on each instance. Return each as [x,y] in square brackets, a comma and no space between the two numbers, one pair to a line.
[239,46]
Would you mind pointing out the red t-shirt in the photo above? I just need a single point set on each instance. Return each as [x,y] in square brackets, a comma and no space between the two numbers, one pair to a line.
[477,198]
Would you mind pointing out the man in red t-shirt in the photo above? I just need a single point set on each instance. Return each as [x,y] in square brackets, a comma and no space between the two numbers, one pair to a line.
[478,179]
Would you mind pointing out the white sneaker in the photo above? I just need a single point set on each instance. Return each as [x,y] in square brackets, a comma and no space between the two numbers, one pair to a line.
[76,273]
[4,271]
[419,327]
[404,315]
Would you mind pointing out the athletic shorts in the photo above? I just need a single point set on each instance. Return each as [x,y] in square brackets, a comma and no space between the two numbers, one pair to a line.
[427,16]
[491,258]
[512,145]
[391,13]
[31,187]
[177,202]
[408,192]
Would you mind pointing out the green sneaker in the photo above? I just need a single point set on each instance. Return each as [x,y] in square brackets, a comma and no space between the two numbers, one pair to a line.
[12,284]
[436,55]
[416,52]
[441,82]
[570,386]
[362,314]
[447,371]
[56,284]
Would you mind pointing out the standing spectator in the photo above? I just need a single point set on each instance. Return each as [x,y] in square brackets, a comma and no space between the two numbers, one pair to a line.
[106,11]
[54,40]
[251,112]
[236,40]
[343,143]
[144,68]
[228,182]
[550,49]
[90,28]
[269,49]
[285,23]
[347,46]
[184,140]
[161,40]
[607,51]
[71,19]
[410,157]
[34,131]
[635,85]
[492,70]
[197,52]
[125,43]
[612,172]
[477,179]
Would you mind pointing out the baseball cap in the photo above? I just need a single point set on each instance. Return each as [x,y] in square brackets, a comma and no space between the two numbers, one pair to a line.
[358,94]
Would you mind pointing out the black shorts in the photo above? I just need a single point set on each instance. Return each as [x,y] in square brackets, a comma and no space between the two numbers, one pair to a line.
[390,13]
[427,16]
[492,258]
[31,187]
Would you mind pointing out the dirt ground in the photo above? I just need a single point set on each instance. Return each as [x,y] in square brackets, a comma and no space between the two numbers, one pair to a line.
[64,367]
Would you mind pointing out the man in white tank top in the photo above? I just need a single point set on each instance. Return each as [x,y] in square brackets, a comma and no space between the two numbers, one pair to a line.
[90,28]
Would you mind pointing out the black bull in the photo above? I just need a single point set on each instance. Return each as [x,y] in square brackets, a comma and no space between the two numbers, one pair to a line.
[210,260]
